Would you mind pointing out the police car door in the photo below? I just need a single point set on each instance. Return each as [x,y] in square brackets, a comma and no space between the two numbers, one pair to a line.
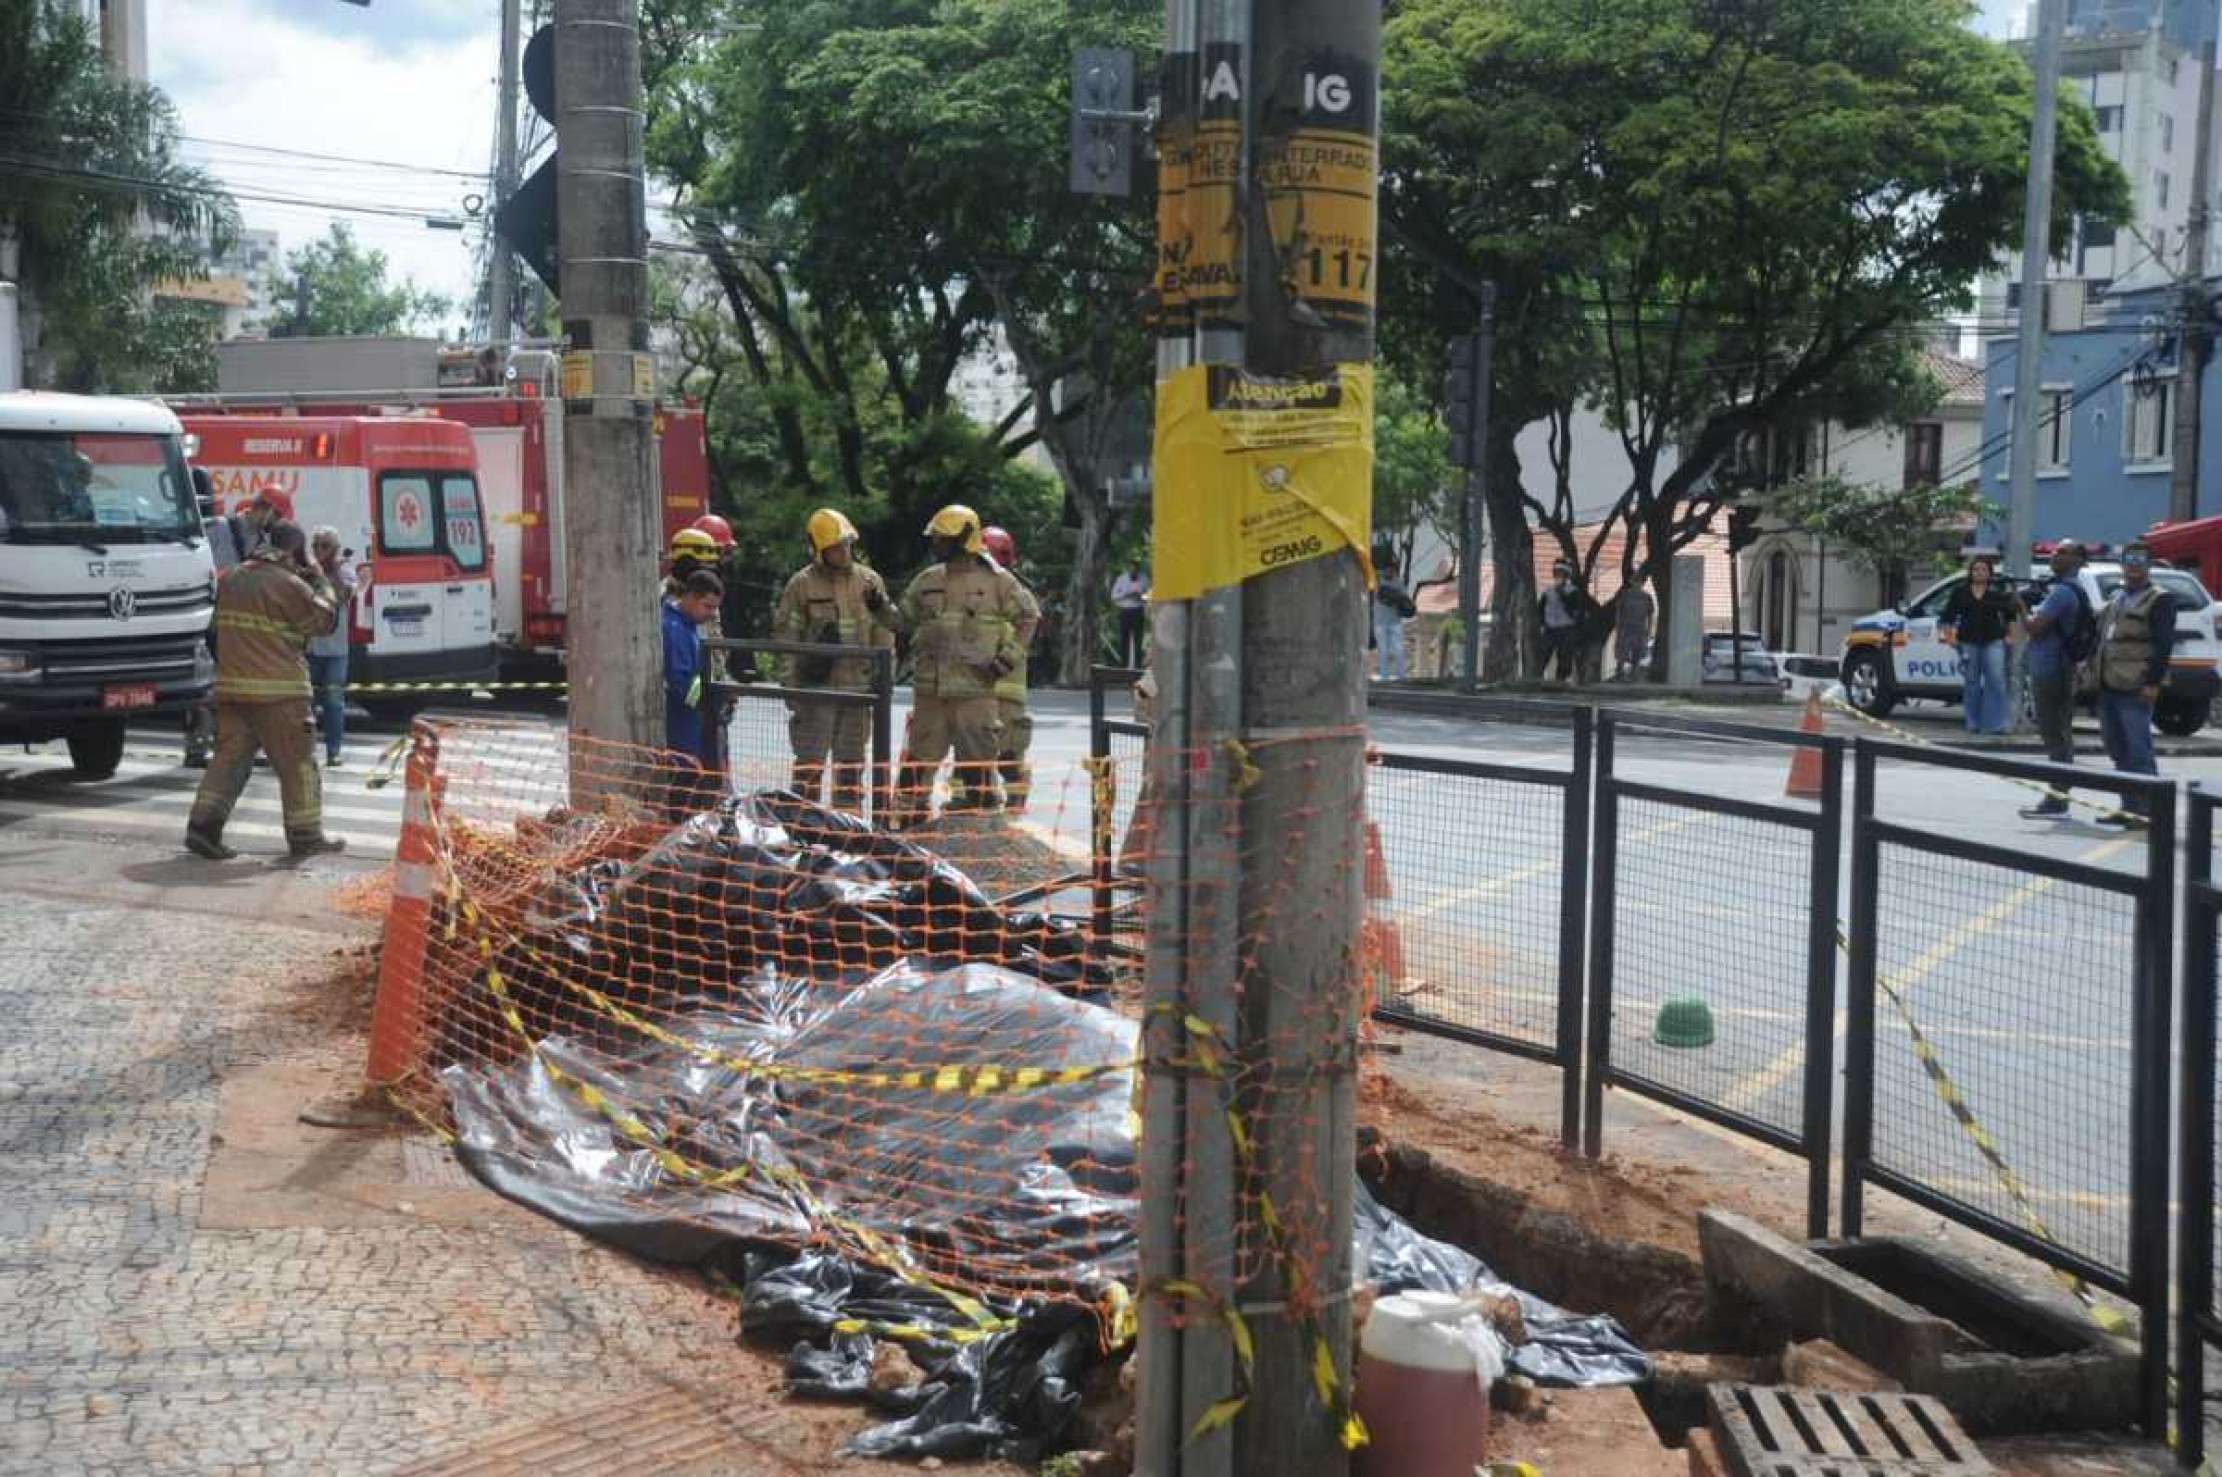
[1928,664]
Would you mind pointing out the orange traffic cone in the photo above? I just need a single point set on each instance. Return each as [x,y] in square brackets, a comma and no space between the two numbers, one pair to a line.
[1805,763]
[1378,940]
[397,1014]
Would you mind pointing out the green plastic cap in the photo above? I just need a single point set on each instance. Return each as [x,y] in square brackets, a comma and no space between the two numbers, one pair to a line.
[1684,1023]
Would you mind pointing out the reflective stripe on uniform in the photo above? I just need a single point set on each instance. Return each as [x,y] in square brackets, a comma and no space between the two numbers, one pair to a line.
[260,687]
[416,881]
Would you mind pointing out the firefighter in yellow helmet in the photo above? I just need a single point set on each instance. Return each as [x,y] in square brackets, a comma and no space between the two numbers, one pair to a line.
[695,549]
[832,601]
[970,623]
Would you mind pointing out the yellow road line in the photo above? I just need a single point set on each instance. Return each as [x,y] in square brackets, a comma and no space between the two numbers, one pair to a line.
[1530,873]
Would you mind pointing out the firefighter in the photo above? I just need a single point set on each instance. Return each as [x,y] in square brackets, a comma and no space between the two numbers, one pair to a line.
[832,601]
[1017,737]
[266,611]
[969,623]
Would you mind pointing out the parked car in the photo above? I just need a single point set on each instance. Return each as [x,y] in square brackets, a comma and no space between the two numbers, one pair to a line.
[1900,655]
[1738,657]
[1803,672]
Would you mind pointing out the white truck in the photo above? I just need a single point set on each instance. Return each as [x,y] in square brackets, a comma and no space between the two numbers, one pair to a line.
[107,588]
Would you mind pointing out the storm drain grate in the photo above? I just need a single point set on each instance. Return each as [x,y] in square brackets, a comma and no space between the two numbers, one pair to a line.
[1767,1431]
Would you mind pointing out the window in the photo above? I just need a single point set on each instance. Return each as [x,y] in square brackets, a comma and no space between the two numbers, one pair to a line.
[2110,119]
[2013,295]
[405,521]
[2148,424]
[1933,603]
[2167,134]
[2058,401]
[2160,189]
[1924,453]
[466,530]
[1792,453]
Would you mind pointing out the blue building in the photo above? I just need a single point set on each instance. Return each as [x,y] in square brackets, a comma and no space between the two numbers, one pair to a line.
[2105,439]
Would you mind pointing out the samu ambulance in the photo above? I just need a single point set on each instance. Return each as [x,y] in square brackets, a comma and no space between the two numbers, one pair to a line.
[403,493]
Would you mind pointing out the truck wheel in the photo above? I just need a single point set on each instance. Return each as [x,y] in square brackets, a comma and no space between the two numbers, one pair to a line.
[95,749]
[1866,685]
[2179,717]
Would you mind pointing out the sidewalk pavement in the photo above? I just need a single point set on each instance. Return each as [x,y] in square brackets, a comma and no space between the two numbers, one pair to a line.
[193,1282]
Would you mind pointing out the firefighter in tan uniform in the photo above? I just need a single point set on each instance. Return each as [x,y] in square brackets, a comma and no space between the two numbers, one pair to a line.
[266,610]
[1017,737]
[832,601]
[969,624]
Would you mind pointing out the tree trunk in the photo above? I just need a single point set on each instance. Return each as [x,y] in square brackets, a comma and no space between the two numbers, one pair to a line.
[1659,551]
[1082,635]
[1514,648]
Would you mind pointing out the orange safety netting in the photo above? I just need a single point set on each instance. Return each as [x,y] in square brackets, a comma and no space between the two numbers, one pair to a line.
[919,1046]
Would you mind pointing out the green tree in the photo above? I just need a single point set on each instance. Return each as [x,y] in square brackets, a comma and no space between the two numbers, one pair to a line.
[1415,488]
[877,187]
[99,206]
[1889,530]
[1706,221]
[337,286]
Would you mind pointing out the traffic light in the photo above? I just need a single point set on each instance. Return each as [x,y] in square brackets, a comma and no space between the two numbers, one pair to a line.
[1461,401]
[527,219]
[1743,528]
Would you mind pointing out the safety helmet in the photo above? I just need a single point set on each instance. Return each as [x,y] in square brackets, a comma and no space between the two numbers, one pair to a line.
[826,528]
[693,543]
[958,522]
[998,542]
[720,531]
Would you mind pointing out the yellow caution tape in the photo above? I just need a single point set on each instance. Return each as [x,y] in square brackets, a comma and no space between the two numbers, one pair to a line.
[2104,812]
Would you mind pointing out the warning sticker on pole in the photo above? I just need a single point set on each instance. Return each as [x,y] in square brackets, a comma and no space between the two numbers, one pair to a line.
[1256,473]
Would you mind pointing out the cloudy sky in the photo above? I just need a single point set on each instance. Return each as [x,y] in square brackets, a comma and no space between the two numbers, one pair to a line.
[404,82]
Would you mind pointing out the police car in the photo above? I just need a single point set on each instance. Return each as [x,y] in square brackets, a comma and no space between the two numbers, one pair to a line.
[1895,656]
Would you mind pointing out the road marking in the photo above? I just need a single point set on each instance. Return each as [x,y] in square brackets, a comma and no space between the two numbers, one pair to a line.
[1530,873]
[1757,1086]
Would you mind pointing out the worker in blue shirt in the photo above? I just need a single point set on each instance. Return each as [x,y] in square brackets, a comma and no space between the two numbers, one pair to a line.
[691,606]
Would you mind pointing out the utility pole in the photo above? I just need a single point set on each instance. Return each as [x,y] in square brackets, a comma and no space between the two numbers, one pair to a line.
[2195,337]
[2036,258]
[1268,163]
[609,465]
[501,285]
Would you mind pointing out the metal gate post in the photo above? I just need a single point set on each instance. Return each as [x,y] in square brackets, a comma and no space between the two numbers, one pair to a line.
[1859,985]
[2195,1231]
[1100,801]
[1601,944]
[1820,992]
[1573,917]
[883,737]
[2151,1141]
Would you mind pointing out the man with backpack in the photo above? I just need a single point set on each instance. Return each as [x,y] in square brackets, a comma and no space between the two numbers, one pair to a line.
[1392,607]
[2063,635]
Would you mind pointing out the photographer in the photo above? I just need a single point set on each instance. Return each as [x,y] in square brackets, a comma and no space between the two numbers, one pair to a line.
[327,653]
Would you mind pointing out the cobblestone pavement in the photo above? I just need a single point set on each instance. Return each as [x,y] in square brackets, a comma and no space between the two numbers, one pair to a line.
[134,1338]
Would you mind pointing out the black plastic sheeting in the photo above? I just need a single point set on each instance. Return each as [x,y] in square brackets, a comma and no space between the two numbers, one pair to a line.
[1034,1191]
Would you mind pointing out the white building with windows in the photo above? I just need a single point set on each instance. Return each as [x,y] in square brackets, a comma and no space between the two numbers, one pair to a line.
[2136,64]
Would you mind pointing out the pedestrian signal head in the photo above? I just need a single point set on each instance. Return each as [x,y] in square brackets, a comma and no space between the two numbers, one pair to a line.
[720,531]
[958,524]
[827,528]
[1000,545]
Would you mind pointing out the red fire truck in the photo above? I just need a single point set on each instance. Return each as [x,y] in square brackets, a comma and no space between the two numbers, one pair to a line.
[515,417]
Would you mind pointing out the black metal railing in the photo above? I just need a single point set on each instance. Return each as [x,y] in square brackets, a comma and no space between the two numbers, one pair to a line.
[1737,957]
[2198,1315]
[2008,1101]
[751,717]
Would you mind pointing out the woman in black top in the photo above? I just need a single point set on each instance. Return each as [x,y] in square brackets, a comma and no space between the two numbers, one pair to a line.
[1981,614]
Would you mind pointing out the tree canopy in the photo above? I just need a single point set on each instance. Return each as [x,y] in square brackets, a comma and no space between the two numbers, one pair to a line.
[1704,220]
[336,286]
[101,209]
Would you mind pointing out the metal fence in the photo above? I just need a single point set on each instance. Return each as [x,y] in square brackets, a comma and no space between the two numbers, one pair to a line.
[2198,1315]
[2024,1088]
[1705,882]
[1490,868]
[752,717]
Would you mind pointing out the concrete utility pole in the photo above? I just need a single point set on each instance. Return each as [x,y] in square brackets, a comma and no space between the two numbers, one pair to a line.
[2036,257]
[2195,341]
[501,285]
[609,453]
[1262,685]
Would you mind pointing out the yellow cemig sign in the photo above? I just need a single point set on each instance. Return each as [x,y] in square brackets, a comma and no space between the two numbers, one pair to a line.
[1255,474]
